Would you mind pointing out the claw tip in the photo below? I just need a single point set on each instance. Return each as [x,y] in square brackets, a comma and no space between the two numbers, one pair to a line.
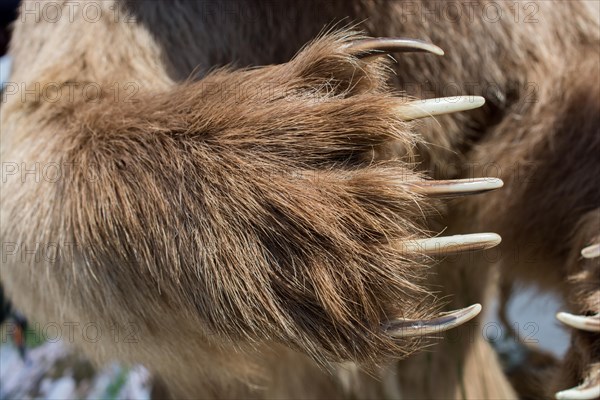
[592,251]
[438,51]
[582,322]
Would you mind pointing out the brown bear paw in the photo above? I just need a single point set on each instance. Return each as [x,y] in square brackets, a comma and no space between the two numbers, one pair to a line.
[584,356]
[350,249]
[307,208]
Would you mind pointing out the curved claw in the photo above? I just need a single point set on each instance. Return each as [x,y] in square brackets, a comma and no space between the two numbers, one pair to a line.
[452,244]
[406,327]
[592,251]
[588,390]
[455,187]
[585,323]
[377,46]
[438,106]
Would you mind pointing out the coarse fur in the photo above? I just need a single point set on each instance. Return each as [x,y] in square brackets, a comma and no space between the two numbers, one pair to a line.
[247,223]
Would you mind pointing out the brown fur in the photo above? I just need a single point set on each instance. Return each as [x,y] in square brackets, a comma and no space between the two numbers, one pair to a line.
[247,221]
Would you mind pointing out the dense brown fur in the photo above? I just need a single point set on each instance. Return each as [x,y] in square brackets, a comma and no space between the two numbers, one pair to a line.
[247,217]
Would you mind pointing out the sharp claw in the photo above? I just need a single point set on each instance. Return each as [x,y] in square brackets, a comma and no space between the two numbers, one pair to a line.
[438,106]
[451,244]
[370,47]
[455,187]
[588,390]
[585,323]
[592,251]
[405,327]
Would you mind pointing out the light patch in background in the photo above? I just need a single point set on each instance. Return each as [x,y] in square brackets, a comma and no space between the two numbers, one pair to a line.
[5,64]
[54,370]
[533,314]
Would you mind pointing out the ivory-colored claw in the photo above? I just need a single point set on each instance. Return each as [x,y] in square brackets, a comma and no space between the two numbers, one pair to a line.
[451,244]
[405,327]
[370,47]
[592,251]
[455,187]
[585,323]
[438,106]
[588,390]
